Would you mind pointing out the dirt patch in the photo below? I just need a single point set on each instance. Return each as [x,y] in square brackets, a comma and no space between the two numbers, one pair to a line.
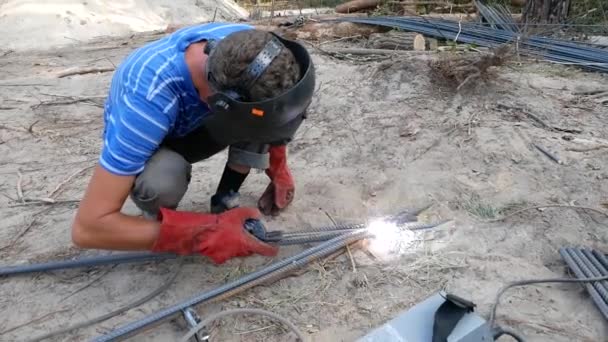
[381,137]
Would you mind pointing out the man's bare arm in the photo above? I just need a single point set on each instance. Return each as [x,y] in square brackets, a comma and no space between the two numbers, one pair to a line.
[100,224]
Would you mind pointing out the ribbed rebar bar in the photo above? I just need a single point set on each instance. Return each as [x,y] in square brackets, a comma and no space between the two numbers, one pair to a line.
[567,254]
[240,284]
[555,50]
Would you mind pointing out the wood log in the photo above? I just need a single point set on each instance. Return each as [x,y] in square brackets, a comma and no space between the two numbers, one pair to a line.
[363,52]
[395,40]
[392,40]
[357,5]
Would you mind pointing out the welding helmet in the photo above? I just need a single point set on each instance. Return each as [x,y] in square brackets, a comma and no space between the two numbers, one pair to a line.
[235,118]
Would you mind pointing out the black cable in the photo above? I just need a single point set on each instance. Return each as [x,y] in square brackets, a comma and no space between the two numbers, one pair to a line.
[116,312]
[536,281]
[500,331]
[245,311]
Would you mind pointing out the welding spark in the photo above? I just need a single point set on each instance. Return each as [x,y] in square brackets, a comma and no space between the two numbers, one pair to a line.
[388,239]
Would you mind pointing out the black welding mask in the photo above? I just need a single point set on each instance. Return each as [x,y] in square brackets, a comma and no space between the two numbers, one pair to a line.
[235,118]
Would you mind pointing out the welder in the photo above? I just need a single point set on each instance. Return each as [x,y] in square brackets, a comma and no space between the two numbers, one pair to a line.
[180,100]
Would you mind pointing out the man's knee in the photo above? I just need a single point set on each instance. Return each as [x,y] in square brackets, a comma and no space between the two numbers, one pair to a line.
[163,182]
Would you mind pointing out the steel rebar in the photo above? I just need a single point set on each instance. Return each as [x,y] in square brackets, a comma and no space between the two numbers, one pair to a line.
[578,272]
[550,49]
[284,265]
[98,260]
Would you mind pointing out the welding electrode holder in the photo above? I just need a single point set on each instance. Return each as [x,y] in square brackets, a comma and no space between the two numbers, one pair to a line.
[256,228]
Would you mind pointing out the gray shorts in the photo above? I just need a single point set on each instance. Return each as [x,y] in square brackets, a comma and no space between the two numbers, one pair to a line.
[166,176]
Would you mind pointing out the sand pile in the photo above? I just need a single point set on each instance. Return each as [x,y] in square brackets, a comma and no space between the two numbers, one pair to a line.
[31,24]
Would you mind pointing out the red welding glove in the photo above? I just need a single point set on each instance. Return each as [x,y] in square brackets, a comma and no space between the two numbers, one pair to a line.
[217,236]
[280,191]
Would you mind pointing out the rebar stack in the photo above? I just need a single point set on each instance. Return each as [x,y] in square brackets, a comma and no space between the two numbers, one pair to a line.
[555,50]
[589,263]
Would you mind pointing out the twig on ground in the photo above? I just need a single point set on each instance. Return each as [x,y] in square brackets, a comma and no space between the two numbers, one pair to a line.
[469,78]
[70,177]
[330,218]
[590,92]
[471,118]
[11,128]
[499,219]
[23,232]
[35,320]
[586,145]
[42,201]
[70,101]
[109,60]
[352,260]
[103,274]
[116,312]
[23,84]
[423,152]
[83,71]
[536,119]
[6,108]
[20,187]
[255,330]
[31,127]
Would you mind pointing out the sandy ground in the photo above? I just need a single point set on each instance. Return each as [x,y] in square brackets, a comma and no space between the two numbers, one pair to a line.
[30,24]
[381,137]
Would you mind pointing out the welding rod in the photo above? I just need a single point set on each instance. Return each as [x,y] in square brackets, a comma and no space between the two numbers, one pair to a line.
[287,264]
[595,296]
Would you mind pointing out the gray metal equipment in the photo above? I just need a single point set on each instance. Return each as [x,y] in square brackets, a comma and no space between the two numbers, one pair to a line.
[417,325]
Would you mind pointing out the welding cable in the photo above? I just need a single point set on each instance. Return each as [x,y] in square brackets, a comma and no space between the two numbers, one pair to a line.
[162,288]
[246,311]
[532,282]
[500,331]
[281,267]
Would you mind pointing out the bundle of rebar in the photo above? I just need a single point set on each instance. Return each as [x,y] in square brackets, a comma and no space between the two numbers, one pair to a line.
[555,50]
[589,263]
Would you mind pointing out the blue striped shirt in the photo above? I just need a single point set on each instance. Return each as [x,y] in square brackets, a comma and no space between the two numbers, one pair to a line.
[152,97]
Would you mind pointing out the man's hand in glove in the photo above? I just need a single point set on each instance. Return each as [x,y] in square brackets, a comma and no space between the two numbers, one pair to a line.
[217,236]
[281,190]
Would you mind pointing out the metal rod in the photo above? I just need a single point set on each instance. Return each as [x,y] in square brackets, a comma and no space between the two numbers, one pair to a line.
[551,49]
[601,257]
[292,262]
[595,296]
[596,267]
[98,260]
[119,258]
[590,271]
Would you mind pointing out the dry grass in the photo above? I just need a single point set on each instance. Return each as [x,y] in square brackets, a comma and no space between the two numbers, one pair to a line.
[469,70]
